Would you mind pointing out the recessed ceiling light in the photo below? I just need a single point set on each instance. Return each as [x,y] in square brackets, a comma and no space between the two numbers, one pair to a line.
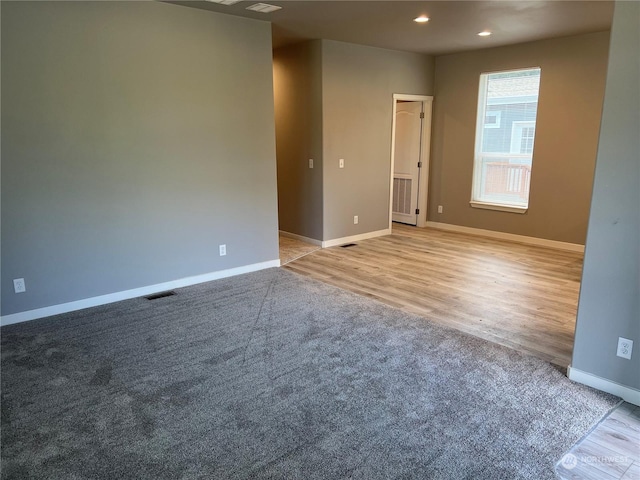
[421,19]
[486,33]
[224,2]
[263,8]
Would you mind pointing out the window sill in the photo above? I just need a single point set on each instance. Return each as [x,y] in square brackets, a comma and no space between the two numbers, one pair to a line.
[498,207]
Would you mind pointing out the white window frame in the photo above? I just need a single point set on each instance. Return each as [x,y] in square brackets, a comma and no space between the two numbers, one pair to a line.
[475,201]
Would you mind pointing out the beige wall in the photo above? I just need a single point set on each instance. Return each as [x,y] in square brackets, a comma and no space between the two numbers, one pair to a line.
[334,100]
[358,87]
[570,104]
[297,73]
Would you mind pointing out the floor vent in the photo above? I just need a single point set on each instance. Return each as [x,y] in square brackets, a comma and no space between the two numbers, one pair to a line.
[156,296]
[348,245]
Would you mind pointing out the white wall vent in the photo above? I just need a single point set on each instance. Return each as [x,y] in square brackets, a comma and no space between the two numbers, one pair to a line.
[402,195]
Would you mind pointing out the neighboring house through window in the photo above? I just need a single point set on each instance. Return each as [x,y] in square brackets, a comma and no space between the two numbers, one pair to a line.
[505,137]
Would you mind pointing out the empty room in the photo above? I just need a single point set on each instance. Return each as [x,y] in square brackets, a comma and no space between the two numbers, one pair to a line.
[320,240]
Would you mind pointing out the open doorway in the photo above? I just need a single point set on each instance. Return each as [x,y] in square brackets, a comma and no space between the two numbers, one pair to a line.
[410,147]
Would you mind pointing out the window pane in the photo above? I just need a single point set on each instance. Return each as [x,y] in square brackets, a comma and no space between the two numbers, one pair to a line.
[505,135]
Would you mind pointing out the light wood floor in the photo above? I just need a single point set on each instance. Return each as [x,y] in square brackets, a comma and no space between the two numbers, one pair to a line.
[611,451]
[520,296]
[292,249]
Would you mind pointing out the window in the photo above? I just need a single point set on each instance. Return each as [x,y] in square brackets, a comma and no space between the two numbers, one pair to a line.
[492,119]
[505,138]
[522,134]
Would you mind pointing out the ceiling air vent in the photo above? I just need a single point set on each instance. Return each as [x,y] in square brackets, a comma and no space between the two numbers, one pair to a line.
[263,8]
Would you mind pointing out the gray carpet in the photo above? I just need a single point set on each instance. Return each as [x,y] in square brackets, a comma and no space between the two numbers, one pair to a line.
[272,375]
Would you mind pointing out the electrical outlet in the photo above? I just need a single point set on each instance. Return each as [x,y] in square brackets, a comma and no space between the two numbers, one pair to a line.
[311,163]
[341,163]
[439,208]
[625,347]
[223,250]
[19,286]
[355,219]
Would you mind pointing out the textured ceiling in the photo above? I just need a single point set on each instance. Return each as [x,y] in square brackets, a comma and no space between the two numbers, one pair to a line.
[453,27]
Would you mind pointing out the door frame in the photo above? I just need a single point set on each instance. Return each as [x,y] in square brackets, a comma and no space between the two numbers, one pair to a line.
[425,151]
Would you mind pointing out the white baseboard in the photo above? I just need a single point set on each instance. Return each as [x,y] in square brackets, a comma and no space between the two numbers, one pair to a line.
[134,293]
[355,238]
[540,242]
[628,394]
[312,241]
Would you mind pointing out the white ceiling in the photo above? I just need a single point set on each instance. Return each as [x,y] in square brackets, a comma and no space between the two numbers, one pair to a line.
[453,26]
